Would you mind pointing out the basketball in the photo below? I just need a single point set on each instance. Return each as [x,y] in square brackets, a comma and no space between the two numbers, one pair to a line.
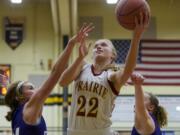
[126,10]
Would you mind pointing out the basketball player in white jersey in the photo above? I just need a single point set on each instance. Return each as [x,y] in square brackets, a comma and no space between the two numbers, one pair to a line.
[95,88]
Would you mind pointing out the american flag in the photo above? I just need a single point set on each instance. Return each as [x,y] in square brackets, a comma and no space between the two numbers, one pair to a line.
[158,60]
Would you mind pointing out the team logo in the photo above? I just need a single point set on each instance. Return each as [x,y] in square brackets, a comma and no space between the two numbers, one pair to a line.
[14,31]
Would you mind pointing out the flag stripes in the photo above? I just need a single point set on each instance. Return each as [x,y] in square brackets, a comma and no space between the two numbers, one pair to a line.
[158,61]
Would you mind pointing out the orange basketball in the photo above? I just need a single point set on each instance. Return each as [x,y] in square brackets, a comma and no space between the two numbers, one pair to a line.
[126,10]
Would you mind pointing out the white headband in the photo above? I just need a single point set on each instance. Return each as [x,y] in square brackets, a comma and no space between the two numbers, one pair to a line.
[18,88]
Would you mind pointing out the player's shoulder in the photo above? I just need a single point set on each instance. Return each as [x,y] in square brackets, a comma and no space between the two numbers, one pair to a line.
[86,65]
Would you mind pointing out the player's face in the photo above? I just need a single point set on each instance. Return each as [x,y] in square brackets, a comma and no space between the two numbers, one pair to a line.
[146,99]
[28,89]
[102,50]
[147,102]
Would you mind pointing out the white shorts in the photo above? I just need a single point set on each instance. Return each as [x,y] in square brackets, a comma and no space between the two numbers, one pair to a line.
[105,131]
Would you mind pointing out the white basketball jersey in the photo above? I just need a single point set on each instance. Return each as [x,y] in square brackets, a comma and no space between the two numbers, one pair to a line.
[92,103]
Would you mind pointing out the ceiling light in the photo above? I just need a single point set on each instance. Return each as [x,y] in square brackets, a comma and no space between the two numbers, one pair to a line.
[16,1]
[178,108]
[111,1]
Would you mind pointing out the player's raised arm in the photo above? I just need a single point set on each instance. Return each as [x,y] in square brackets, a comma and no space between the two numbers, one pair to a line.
[32,109]
[119,78]
[73,70]
[149,115]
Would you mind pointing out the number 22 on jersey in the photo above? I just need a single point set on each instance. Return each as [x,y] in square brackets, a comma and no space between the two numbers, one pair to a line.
[91,110]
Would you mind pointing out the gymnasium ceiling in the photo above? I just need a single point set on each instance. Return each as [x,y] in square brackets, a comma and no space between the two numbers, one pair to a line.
[171,2]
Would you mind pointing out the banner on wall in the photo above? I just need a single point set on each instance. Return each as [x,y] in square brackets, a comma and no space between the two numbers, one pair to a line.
[5,78]
[14,31]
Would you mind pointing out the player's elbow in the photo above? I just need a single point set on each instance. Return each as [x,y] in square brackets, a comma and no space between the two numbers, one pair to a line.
[62,83]
[128,73]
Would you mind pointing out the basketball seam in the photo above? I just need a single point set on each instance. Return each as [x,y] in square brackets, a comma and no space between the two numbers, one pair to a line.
[131,11]
[123,6]
[127,22]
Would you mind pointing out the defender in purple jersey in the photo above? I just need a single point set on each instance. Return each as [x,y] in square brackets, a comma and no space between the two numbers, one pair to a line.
[26,102]
[20,127]
[149,115]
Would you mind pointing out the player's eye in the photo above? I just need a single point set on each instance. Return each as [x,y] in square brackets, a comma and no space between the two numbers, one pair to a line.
[103,44]
[31,87]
